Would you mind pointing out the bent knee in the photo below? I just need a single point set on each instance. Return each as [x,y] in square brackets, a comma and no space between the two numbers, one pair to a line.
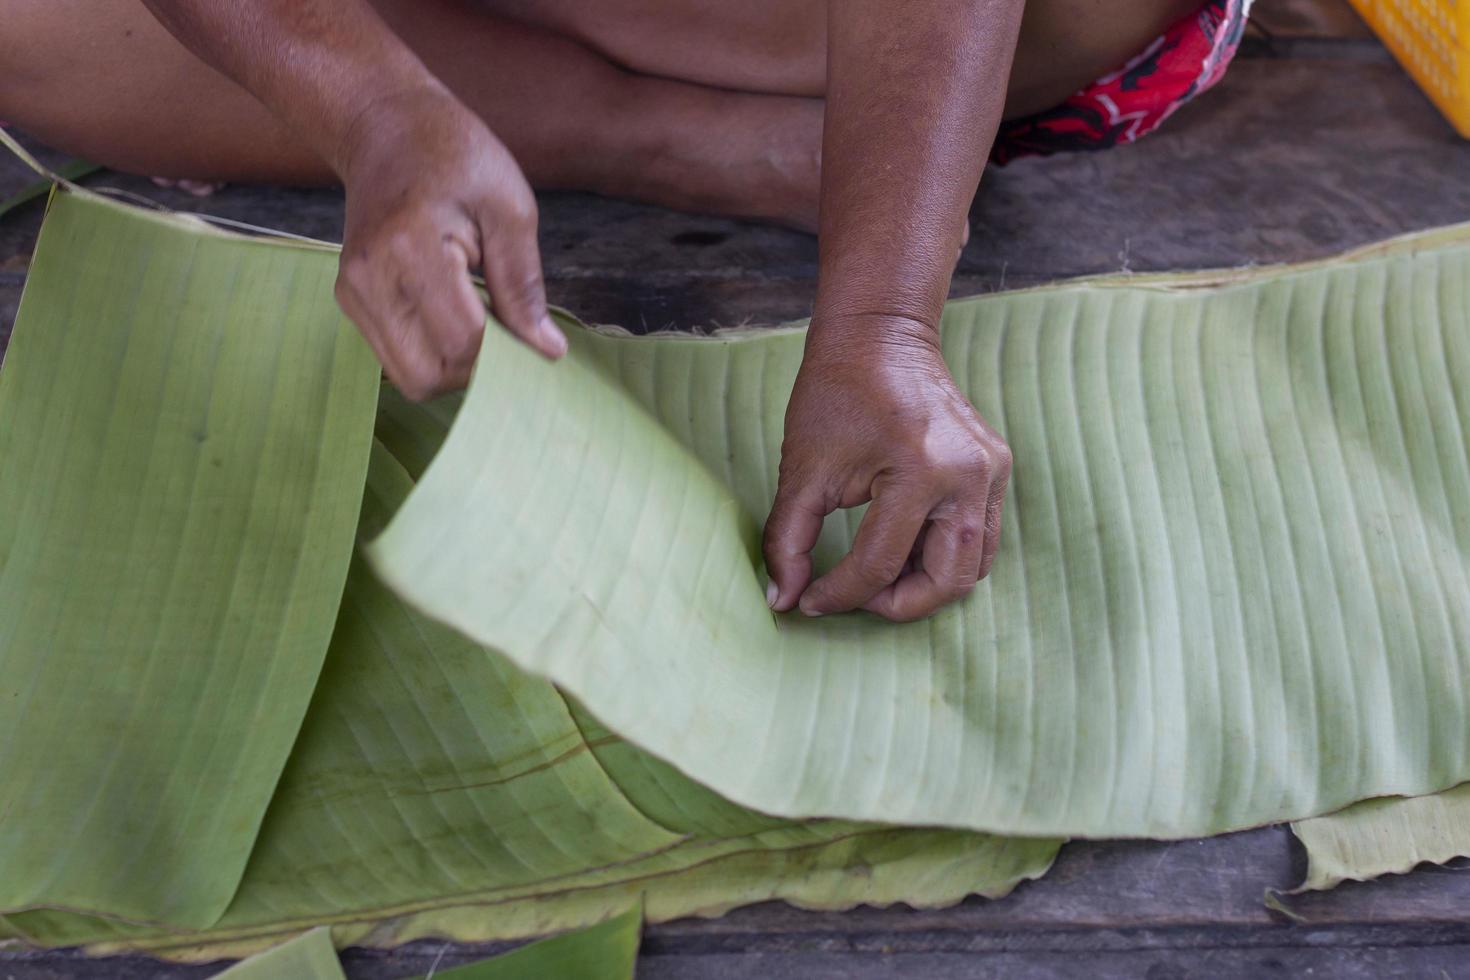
[58,57]
[26,46]
[1067,44]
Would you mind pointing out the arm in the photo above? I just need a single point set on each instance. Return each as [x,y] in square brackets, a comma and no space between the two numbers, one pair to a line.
[914,98]
[431,193]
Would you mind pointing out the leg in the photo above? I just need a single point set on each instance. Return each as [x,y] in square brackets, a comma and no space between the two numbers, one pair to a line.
[779,46]
[104,80]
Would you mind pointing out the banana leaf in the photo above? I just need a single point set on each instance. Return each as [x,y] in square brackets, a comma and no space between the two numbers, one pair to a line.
[1232,589]
[602,952]
[310,956]
[1146,662]
[181,470]
[606,951]
[1384,836]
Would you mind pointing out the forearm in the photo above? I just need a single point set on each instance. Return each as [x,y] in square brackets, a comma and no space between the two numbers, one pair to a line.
[914,97]
[318,64]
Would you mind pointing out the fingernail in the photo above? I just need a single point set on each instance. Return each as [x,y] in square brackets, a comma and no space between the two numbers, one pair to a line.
[555,342]
[806,608]
[772,593]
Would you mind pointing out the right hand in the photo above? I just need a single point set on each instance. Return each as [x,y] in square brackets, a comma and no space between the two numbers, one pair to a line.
[432,195]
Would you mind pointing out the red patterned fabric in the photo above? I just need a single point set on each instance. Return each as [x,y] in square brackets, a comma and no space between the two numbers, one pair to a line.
[1189,58]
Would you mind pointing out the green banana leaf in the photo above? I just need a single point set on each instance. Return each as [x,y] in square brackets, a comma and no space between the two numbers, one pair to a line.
[602,952]
[1232,589]
[606,951]
[1384,836]
[310,956]
[181,470]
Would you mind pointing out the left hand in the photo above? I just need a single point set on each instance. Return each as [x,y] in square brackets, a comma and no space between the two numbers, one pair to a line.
[875,416]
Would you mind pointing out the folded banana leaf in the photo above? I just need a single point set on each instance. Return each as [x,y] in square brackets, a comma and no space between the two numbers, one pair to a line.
[1232,591]
[1384,836]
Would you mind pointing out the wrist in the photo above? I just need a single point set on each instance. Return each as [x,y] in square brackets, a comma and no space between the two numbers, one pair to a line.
[387,119]
[841,334]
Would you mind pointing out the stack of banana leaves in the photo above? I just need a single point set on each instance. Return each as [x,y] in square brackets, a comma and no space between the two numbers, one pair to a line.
[283,654]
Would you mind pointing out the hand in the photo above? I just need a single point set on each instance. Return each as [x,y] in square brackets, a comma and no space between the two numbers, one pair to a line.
[431,196]
[876,416]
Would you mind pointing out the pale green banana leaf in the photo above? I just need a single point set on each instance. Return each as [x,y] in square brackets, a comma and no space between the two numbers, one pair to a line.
[1232,588]
[310,956]
[181,470]
[1384,836]
[433,788]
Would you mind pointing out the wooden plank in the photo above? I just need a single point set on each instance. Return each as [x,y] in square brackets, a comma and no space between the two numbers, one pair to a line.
[1348,961]
[1446,962]
[1309,19]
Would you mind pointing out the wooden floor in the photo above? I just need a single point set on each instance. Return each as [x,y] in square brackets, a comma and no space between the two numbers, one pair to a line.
[1314,143]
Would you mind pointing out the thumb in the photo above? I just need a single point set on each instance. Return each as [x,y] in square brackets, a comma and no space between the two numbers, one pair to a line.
[512,265]
[792,530]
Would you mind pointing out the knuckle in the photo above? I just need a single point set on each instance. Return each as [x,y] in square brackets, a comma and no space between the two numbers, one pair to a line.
[771,536]
[876,571]
[958,589]
[958,463]
[421,383]
[463,344]
[521,302]
[1003,459]
[516,214]
[529,291]
[402,245]
[350,274]
[776,538]
[521,212]
[414,391]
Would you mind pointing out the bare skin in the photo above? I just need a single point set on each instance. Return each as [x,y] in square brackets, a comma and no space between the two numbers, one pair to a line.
[438,116]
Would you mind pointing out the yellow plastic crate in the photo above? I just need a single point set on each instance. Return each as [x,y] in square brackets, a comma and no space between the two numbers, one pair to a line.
[1431,38]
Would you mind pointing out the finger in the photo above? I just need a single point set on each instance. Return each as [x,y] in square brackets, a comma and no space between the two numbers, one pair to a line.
[879,550]
[405,353]
[414,365]
[995,501]
[512,265]
[454,315]
[953,551]
[791,533]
